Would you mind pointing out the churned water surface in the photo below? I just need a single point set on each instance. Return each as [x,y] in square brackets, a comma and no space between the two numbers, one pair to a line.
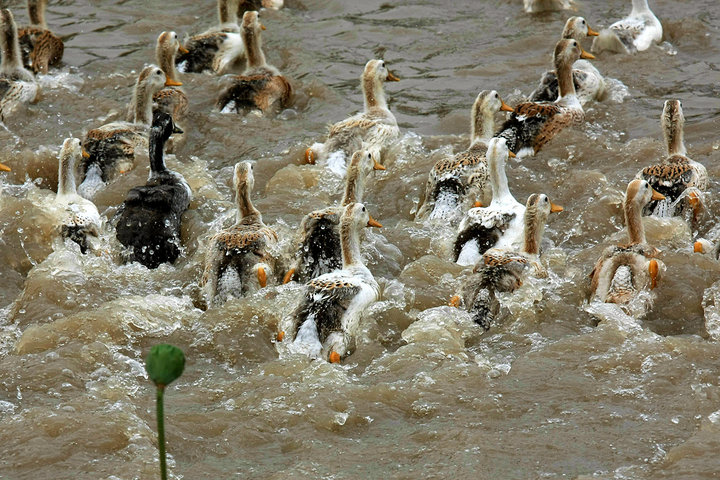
[557,389]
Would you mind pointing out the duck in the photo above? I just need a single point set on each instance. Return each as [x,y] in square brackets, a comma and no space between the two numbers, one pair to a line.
[465,176]
[634,33]
[81,221]
[109,150]
[679,178]
[261,86]
[535,6]
[218,48]
[148,221]
[376,125]
[326,322]
[40,47]
[623,271]
[170,99]
[503,270]
[318,244]
[238,261]
[589,83]
[500,224]
[533,124]
[17,84]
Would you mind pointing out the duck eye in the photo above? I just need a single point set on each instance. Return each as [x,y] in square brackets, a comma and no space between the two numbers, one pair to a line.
[369,155]
[363,209]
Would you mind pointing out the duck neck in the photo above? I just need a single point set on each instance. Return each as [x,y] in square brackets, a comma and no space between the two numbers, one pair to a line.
[157,160]
[166,61]
[534,230]
[253,49]
[142,103]
[482,127]
[498,179]
[10,50]
[566,86]
[374,94]
[245,207]
[36,12]
[350,243]
[354,186]
[633,220]
[675,140]
[639,6]
[225,14]
[66,175]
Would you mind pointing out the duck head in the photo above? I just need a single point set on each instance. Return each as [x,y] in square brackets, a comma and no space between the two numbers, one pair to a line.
[374,75]
[638,194]
[163,126]
[577,28]
[537,209]
[166,48]
[486,105]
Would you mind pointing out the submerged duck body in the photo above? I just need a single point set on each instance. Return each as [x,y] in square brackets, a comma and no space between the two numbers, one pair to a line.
[635,33]
[589,83]
[40,47]
[453,183]
[149,219]
[534,124]
[237,261]
[261,86]
[110,149]
[319,245]
[326,323]
[374,128]
[623,271]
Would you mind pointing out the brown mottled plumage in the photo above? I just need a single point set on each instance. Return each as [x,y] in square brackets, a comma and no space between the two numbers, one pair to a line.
[261,86]
[237,260]
[623,271]
[532,124]
[454,182]
[40,47]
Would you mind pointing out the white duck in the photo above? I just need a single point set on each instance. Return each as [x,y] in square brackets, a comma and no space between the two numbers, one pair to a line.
[326,323]
[632,34]
[17,84]
[454,181]
[498,225]
[589,83]
[679,178]
[81,220]
[623,271]
[533,124]
[535,6]
[503,270]
[376,126]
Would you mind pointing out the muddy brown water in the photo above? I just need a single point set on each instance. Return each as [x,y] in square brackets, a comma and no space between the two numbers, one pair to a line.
[557,389]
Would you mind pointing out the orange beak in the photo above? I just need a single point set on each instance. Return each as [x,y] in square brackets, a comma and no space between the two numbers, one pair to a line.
[182,49]
[377,166]
[169,82]
[698,247]
[555,208]
[586,55]
[591,32]
[85,154]
[374,223]
[4,168]
[455,301]
[653,269]
[477,204]
[511,154]
[334,357]
[657,195]
[280,336]
[262,27]
[391,77]
[505,107]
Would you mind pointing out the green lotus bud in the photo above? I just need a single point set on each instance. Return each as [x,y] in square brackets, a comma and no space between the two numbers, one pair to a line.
[164,364]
